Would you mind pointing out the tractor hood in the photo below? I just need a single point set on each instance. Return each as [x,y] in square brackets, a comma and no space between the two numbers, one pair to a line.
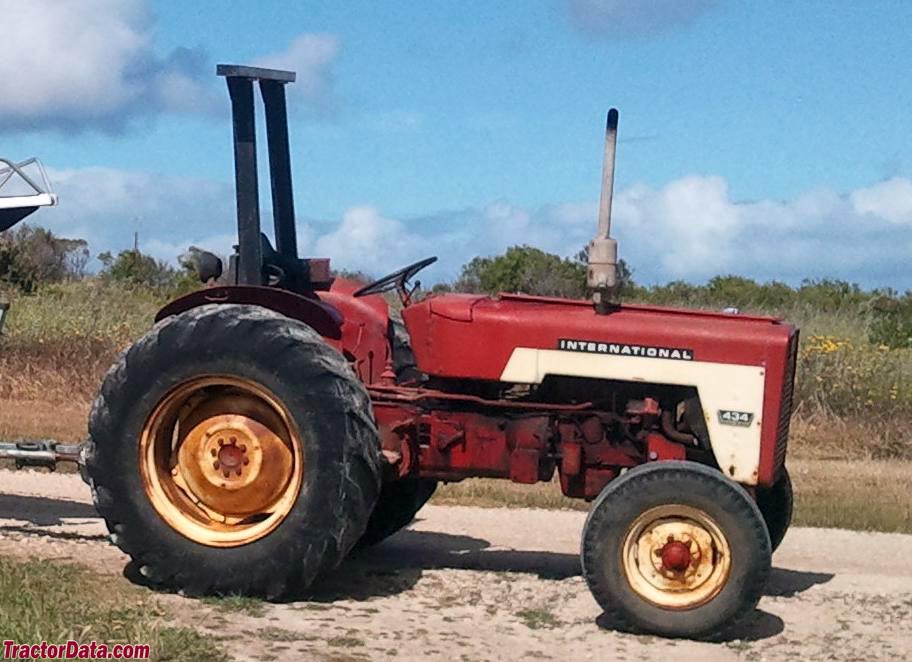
[475,337]
[741,366]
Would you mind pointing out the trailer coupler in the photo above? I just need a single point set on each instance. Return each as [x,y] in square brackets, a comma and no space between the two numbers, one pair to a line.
[40,453]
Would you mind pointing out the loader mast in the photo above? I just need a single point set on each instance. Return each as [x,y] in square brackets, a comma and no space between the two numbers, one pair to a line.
[272,83]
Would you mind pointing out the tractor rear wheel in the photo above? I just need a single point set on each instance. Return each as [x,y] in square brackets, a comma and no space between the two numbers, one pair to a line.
[775,505]
[397,506]
[675,549]
[233,451]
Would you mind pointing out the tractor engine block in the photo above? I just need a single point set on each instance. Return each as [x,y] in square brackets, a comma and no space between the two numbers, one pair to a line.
[526,445]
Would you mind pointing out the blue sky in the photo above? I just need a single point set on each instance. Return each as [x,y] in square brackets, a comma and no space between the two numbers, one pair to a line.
[767,139]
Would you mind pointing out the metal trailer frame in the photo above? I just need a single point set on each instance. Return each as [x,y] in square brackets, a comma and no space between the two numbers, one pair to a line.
[14,208]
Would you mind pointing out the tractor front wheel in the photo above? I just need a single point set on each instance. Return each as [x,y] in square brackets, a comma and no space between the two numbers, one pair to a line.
[233,451]
[675,549]
[776,505]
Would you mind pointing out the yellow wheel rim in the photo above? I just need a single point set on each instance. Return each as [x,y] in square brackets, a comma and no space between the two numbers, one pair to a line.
[221,460]
[676,557]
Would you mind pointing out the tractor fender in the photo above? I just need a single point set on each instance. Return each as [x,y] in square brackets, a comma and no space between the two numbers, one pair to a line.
[322,317]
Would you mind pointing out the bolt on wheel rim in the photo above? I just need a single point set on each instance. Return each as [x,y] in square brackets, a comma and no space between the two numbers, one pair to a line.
[676,557]
[221,460]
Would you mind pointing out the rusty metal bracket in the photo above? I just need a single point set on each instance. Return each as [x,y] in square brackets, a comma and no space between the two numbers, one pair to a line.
[40,453]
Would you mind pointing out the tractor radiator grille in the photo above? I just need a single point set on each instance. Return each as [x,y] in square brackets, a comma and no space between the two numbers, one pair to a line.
[785,407]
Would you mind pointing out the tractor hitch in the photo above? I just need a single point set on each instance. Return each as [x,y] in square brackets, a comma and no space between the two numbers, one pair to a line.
[40,453]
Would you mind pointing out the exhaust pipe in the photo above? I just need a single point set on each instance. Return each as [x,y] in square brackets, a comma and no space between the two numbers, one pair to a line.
[601,274]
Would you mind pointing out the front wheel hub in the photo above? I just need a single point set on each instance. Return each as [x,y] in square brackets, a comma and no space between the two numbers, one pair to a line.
[676,557]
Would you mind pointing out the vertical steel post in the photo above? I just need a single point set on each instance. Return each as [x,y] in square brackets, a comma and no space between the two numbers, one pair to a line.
[245,176]
[273,92]
[604,217]
[601,271]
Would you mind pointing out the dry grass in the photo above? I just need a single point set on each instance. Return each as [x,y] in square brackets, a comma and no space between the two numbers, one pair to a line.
[56,345]
[40,419]
[870,495]
[865,495]
[854,400]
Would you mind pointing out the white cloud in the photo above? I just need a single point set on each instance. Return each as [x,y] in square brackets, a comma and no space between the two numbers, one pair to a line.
[72,65]
[692,229]
[168,251]
[106,206]
[312,56]
[625,18]
[90,63]
[891,200]
[689,229]
[366,240]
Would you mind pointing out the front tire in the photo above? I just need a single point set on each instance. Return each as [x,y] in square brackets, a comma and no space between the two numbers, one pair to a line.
[233,451]
[776,504]
[675,549]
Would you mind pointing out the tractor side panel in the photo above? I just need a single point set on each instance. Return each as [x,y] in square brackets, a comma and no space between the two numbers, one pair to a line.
[365,326]
[742,365]
[721,387]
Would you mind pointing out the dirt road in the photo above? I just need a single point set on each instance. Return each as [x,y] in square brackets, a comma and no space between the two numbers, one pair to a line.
[490,584]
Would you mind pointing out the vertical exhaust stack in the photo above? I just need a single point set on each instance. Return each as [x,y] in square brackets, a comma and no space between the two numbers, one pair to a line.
[601,274]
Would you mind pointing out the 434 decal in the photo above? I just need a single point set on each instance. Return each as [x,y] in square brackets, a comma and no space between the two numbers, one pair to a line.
[739,418]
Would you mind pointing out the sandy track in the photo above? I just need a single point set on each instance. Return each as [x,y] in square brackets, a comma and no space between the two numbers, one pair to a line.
[489,584]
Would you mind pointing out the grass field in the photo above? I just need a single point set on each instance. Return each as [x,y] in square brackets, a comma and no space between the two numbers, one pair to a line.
[850,451]
[869,495]
[54,602]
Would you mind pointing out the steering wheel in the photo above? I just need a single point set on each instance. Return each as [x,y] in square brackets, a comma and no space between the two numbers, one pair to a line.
[395,280]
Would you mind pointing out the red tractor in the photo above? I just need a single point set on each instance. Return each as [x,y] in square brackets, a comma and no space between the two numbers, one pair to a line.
[264,428]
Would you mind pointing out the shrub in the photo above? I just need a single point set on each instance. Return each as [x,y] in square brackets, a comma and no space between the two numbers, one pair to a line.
[891,321]
[524,269]
[134,268]
[30,257]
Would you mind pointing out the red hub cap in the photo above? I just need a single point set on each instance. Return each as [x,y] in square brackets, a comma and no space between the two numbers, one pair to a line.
[231,456]
[676,556]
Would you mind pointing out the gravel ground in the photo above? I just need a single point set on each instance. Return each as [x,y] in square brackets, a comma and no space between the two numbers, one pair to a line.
[490,584]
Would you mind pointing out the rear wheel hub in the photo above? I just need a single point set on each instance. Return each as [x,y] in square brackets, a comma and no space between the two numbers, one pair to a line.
[221,460]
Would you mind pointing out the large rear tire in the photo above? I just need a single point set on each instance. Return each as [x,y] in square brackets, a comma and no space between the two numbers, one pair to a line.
[397,506]
[675,549]
[776,504]
[233,451]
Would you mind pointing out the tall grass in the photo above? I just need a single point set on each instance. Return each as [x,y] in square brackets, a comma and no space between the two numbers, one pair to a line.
[853,397]
[58,343]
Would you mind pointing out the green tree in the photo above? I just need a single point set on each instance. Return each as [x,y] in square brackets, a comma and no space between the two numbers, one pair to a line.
[132,267]
[32,256]
[831,295]
[524,269]
[891,321]
[722,291]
